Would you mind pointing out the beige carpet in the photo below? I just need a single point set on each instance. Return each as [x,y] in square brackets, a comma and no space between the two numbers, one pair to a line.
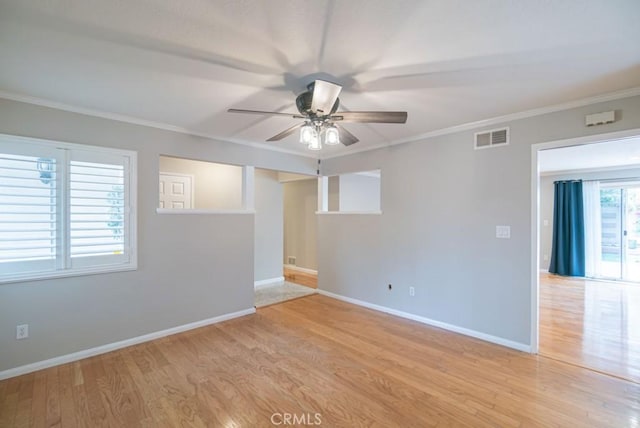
[280,293]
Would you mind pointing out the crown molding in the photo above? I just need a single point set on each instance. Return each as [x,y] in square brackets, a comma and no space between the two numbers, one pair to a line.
[631,92]
[142,122]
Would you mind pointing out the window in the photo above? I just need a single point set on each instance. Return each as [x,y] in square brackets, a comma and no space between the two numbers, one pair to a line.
[357,192]
[187,184]
[65,209]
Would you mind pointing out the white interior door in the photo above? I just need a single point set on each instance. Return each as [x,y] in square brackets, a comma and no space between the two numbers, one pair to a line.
[176,191]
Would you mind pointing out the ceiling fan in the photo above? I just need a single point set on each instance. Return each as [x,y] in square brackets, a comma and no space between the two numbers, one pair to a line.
[318,106]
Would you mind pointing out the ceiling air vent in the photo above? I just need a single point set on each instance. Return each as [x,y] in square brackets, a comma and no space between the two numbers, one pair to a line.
[492,138]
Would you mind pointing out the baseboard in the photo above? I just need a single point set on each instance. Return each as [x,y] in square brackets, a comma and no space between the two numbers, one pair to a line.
[103,349]
[445,326]
[263,283]
[301,269]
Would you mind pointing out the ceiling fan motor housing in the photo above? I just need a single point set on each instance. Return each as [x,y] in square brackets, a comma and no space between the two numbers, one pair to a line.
[317,106]
[303,103]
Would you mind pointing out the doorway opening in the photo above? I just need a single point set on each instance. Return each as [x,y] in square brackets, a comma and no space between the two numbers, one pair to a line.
[285,266]
[590,320]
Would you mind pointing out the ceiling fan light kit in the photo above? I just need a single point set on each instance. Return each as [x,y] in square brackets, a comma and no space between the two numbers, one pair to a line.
[331,135]
[318,106]
[309,135]
[307,132]
[315,143]
[314,135]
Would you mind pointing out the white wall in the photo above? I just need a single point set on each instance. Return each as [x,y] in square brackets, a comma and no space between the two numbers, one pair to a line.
[359,192]
[300,223]
[546,202]
[190,268]
[215,185]
[269,225]
[441,202]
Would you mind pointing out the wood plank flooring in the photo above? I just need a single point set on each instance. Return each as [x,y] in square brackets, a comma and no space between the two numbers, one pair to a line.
[593,324]
[301,278]
[350,365]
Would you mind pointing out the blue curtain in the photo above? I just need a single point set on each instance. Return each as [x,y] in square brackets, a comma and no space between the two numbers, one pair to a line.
[568,251]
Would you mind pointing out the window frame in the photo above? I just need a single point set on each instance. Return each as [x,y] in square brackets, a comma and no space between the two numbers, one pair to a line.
[63,265]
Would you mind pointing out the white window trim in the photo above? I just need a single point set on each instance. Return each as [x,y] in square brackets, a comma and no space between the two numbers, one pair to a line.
[39,276]
[132,264]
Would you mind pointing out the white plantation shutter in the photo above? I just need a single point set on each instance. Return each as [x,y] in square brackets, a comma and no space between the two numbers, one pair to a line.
[28,210]
[63,209]
[98,209]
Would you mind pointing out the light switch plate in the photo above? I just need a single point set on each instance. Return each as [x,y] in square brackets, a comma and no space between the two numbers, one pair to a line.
[503,232]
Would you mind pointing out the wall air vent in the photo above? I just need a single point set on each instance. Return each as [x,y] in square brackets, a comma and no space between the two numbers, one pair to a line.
[600,118]
[491,138]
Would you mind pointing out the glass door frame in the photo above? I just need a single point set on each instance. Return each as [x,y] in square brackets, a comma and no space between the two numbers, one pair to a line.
[623,186]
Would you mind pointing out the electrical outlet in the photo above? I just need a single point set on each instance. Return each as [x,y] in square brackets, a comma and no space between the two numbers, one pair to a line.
[22,331]
[412,291]
[503,232]
[390,286]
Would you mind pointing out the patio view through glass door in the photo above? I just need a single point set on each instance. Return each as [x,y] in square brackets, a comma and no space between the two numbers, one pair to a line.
[620,211]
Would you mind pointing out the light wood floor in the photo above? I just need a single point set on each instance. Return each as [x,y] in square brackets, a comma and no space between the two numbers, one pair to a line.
[593,324]
[353,366]
[301,278]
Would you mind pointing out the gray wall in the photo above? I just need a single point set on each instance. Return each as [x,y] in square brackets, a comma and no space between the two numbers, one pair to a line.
[300,224]
[441,202]
[269,226]
[333,189]
[190,267]
[215,186]
[546,202]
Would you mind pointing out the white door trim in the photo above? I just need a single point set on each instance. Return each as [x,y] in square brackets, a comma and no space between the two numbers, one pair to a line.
[535,213]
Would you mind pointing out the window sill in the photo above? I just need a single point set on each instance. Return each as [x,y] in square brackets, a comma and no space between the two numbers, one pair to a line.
[41,276]
[349,212]
[200,212]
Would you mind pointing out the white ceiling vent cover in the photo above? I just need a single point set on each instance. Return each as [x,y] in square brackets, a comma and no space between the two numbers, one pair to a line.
[491,138]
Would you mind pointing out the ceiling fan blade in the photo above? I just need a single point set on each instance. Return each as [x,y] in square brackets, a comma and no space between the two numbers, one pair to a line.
[346,137]
[371,116]
[324,96]
[286,132]
[270,113]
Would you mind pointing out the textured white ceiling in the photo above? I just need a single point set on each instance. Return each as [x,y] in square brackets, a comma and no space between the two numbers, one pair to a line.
[184,63]
[608,154]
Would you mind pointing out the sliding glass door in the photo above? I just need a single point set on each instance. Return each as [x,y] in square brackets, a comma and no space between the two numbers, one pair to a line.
[620,211]
[631,234]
